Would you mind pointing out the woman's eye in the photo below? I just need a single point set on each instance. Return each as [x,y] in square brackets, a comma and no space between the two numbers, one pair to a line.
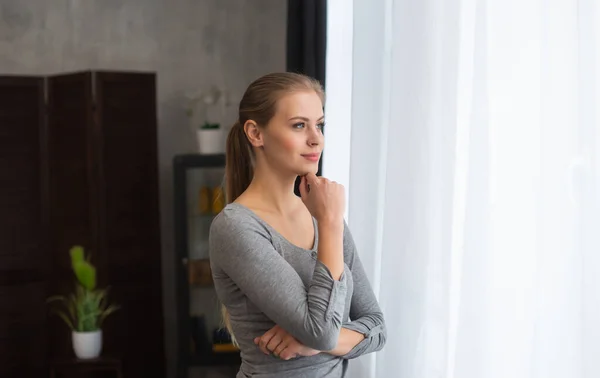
[300,125]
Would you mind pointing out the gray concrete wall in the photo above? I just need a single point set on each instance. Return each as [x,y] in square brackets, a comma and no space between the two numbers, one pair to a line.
[191,44]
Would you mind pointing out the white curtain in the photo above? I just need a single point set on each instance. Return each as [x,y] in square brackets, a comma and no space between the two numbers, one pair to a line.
[472,163]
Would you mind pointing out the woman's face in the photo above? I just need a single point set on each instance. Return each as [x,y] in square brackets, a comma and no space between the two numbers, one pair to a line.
[293,139]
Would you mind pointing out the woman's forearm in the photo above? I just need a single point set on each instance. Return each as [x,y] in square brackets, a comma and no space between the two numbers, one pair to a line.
[331,246]
[346,342]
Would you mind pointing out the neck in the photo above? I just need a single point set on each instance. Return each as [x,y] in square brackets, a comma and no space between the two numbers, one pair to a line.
[280,189]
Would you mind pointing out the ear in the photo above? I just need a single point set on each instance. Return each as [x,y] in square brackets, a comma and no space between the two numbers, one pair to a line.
[254,133]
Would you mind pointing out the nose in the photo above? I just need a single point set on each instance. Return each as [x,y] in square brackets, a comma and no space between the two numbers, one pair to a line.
[314,136]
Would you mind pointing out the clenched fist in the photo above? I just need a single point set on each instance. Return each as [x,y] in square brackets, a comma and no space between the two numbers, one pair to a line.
[325,199]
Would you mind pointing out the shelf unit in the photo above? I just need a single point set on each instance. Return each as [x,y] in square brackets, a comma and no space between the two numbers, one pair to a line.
[197,199]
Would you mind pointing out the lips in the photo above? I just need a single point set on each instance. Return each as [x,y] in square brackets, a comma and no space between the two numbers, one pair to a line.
[312,157]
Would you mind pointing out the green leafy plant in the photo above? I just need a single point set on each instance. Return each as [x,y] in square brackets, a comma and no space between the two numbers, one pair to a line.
[86,308]
[210,126]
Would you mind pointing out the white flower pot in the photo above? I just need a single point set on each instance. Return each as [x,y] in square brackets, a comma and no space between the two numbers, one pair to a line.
[87,345]
[210,141]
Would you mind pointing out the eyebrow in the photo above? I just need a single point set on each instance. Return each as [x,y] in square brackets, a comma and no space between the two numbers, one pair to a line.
[306,119]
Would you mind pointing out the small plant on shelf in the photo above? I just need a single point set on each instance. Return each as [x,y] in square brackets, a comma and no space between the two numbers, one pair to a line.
[86,308]
[209,126]
[203,108]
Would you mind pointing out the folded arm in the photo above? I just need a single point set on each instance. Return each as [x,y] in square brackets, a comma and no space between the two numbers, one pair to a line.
[241,249]
[366,332]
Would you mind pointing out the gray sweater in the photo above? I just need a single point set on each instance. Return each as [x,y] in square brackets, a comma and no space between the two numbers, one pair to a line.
[265,280]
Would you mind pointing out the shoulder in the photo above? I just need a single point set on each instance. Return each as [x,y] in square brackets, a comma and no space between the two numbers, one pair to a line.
[236,224]
[236,219]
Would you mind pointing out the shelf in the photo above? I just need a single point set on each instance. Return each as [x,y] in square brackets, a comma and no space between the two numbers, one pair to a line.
[198,312]
[225,348]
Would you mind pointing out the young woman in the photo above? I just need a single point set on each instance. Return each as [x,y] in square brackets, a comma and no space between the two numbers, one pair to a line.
[295,295]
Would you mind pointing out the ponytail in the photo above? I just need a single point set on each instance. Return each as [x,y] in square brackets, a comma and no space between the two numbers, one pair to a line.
[238,175]
[238,163]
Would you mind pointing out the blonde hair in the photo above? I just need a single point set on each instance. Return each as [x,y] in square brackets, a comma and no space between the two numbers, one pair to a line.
[258,104]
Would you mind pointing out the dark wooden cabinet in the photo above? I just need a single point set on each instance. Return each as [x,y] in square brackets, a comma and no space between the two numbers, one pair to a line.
[79,166]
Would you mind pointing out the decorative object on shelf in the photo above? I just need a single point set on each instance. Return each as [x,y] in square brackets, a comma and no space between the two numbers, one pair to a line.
[200,273]
[201,111]
[210,201]
[210,139]
[86,308]
[204,199]
[225,348]
[218,200]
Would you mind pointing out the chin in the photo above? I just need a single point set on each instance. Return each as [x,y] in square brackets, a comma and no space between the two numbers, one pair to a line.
[306,170]
[302,168]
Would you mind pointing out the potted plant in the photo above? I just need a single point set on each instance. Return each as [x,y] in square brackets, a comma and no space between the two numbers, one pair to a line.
[210,138]
[201,108]
[85,309]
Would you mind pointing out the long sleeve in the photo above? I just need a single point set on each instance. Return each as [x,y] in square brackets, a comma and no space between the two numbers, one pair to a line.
[365,314]
[241,249]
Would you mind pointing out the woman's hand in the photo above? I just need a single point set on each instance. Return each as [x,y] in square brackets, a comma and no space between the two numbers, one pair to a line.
[283,345]
[325,199]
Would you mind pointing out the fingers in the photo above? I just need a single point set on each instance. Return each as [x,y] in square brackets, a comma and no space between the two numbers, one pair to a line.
[303,187]
[312,179]
[288,353]
[285,349]
[272,345]
[263,347]
[288,348]
[265,339]
[278,343]
[280,348]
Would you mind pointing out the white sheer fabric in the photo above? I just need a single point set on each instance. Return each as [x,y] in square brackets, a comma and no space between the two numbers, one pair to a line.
[470,147]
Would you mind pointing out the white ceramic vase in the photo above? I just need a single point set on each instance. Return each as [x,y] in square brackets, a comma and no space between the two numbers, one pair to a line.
[210,141]
[87,345]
